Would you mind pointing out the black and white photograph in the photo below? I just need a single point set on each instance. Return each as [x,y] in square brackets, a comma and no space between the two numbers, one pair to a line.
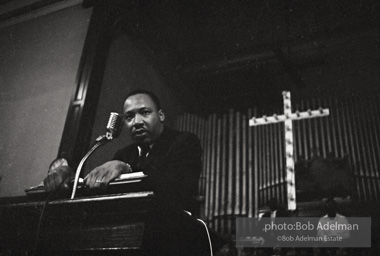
[190,127]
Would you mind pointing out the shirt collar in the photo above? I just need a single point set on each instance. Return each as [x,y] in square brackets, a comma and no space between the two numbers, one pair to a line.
[140,149]
[163,133]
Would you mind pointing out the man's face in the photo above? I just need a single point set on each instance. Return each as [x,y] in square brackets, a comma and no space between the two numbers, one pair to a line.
[143,119]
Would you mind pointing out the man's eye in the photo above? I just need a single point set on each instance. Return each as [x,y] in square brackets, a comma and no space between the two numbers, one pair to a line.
[128,118]
[146,112]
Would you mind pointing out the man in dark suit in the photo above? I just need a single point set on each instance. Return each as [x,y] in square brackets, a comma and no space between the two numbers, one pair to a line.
[171,159]
[172,162]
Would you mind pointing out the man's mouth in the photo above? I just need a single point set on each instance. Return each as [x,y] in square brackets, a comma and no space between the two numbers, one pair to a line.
[140,132]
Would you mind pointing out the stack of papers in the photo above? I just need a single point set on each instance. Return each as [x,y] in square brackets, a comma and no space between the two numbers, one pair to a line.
[122,179]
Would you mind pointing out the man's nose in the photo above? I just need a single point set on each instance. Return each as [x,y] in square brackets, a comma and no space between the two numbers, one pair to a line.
[137,120]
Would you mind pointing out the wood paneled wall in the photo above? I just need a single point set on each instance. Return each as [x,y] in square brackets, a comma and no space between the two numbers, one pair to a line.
[244,167]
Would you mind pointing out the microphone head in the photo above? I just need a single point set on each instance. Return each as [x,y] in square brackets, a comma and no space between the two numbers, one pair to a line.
[114,126]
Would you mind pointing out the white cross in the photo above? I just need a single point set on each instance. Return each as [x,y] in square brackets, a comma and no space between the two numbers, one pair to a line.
[287,118]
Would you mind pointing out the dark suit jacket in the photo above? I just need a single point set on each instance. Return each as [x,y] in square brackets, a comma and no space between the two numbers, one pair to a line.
[173,166]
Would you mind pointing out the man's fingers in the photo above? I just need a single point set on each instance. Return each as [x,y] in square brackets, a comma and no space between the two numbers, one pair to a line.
[85,178]
[102,175]
[47,185]
[99,181]
[90,178]
[108,177]
[52,181]
[95,179]
[57,179]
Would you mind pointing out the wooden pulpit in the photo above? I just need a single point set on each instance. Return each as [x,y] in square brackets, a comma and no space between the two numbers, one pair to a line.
[95,223]
[103,222]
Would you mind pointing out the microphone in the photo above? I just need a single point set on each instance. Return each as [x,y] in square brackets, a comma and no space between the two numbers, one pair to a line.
[113,129]
[114,126]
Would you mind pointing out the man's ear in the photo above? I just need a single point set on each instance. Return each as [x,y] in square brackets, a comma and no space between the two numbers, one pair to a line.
[162,115]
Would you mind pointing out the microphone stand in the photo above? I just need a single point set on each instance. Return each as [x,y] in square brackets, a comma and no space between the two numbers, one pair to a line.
[100,141]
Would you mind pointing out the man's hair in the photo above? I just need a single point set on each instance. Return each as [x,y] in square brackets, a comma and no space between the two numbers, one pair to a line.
[330,201]
[153,96]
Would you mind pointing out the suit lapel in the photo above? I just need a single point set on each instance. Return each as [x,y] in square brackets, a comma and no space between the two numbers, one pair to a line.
[134,158]
[158,151]
[153,155]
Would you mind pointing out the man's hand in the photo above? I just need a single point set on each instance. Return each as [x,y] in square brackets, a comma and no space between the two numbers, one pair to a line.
[58,178]
[103,174]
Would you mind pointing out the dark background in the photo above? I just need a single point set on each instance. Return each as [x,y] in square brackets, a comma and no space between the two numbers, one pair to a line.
[238,54]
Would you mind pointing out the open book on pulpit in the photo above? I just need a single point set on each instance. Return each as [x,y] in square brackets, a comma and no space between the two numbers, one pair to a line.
[127,182]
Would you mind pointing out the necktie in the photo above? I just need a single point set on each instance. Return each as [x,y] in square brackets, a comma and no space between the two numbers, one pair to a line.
[143,155]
